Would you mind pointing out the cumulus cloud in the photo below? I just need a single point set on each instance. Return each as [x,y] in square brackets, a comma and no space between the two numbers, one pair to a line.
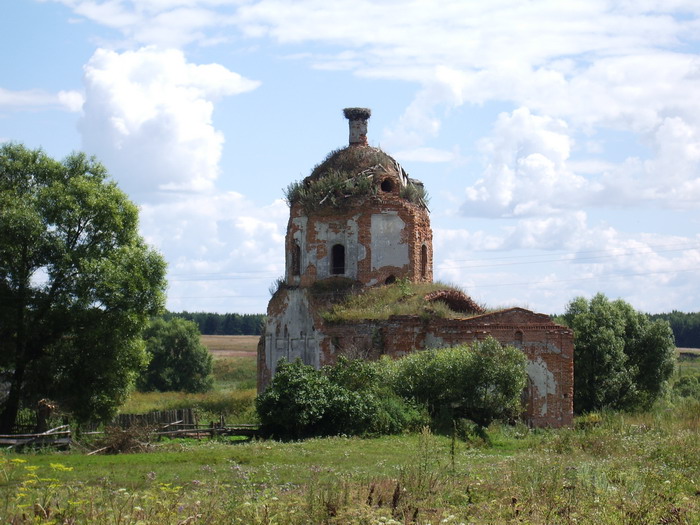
[222,249]
[39,99]
[562,257]
[526,169]
[567,74]
[166,23]
[148,117]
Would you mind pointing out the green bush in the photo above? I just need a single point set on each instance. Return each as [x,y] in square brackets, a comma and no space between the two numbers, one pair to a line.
[348,398]
[623,359]
[355,397]
[482,382]
[178,360]
[295,402]
[687,386]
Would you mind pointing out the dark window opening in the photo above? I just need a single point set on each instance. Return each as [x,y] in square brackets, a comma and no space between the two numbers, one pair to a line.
[296,260]
[519,339]
[387,185]
[424,261]
[390,280]
[338,259]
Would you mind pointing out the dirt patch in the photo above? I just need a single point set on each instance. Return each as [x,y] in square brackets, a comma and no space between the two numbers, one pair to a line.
[231,345]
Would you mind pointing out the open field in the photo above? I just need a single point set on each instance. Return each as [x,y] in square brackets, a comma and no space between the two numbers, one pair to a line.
[231,345]
[234,384]
[611,469]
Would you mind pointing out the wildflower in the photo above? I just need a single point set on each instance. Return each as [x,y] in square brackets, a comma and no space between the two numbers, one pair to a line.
[61,468]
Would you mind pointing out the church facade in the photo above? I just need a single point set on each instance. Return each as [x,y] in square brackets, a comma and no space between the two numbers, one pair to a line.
[360,221]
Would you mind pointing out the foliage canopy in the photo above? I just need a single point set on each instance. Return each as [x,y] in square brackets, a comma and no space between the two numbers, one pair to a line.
[482,382]
[77,284]
[179,362]
[622,359]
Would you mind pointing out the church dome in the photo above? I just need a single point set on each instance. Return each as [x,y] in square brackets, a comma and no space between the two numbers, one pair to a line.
[357,170]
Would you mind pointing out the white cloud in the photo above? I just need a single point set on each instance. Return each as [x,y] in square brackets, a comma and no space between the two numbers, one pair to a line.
[563,257]
[222,249]
[39,99]
[576,71]
[526,169]
[148,117]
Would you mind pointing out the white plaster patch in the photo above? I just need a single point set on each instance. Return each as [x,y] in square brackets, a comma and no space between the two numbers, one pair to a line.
[434,341]
[290,334]
[542,381]
[387,248]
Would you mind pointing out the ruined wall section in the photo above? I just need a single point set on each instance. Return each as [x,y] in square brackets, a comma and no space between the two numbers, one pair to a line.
[295,330]
[547,346]
[290,333]
[384,237]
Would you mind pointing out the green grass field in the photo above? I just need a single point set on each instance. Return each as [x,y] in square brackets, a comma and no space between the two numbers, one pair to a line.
[234,385]
[610,469]
[616,469]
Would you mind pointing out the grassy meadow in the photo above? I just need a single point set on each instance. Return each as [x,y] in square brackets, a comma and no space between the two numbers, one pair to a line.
[610,468]
[234,384]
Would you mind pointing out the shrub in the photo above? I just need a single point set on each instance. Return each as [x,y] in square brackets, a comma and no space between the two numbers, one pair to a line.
[295,402]
[348,398]
[687,386]
[482,382]
[355,397]
[179,361]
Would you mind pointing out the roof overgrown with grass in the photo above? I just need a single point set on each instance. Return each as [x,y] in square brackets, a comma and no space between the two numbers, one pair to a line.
[403,298]
[349,172]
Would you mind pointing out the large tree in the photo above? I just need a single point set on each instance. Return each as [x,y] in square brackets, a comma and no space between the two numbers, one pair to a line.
[622,359]
[77,285]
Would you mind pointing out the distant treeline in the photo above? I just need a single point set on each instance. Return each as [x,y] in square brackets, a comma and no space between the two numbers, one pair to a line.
[223,324]
[685,326]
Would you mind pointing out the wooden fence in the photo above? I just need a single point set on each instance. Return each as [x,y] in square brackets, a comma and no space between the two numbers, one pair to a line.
[164,423]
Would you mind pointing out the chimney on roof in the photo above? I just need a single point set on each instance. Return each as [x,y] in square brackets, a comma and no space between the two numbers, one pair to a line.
[358,124]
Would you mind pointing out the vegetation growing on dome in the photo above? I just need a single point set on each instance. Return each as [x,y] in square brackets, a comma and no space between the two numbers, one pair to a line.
[400,298]
[351,160]
[348,172]
[415,193]
[331,190]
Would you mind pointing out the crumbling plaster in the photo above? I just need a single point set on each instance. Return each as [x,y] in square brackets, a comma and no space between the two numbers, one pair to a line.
[388,247]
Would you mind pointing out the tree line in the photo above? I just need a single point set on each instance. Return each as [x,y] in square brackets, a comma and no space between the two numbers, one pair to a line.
[685,326]
[222,324]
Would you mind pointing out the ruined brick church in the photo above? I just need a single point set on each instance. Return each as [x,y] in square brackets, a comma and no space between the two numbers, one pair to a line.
[360,221]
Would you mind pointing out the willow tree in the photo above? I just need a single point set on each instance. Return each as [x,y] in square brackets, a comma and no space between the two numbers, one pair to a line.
[77,285]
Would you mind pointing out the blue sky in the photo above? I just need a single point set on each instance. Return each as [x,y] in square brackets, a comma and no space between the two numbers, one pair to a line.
[559,141]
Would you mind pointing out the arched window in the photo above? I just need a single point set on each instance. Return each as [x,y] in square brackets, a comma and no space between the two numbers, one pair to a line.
[338,259]
[387,185]
[424,261]
[296,260]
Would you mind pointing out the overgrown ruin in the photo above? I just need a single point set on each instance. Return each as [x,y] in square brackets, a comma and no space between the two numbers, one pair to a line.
[359,222]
